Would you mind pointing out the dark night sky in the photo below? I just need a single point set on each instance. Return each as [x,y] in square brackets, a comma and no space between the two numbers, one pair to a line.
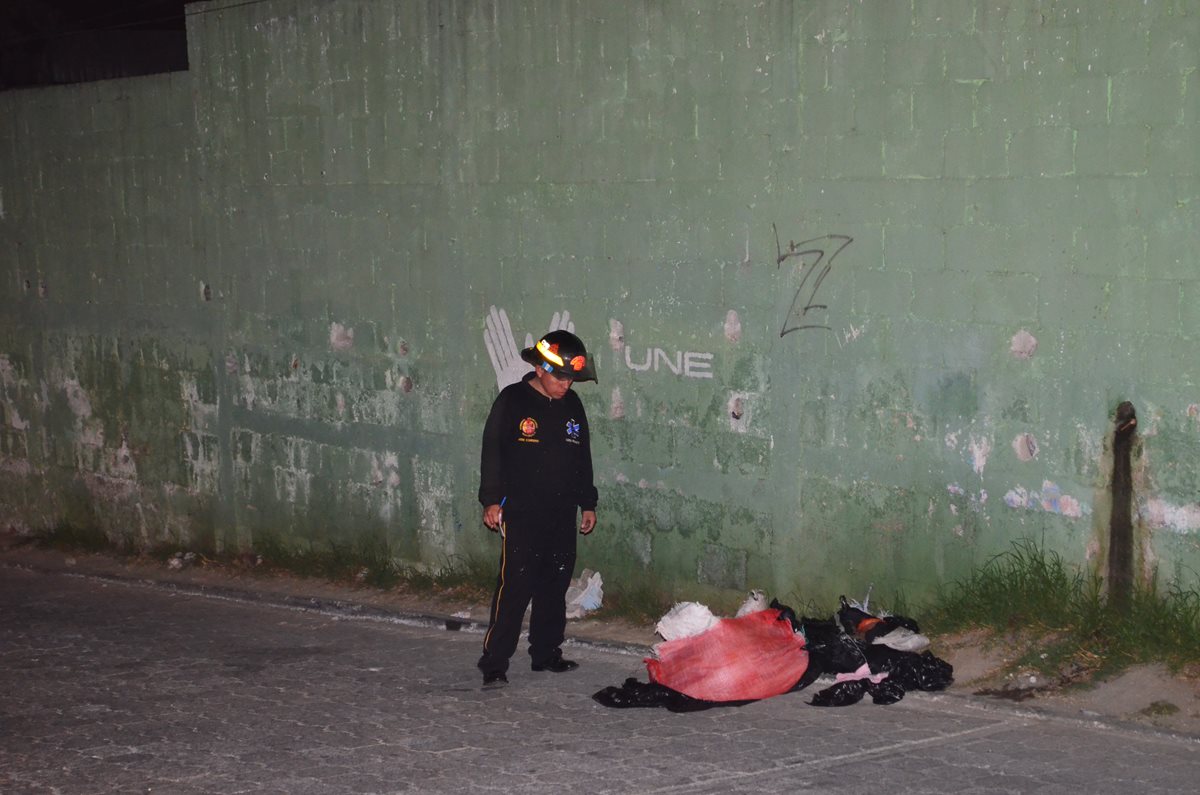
[67,41]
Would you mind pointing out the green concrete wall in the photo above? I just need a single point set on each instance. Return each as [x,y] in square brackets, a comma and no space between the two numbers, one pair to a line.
[865,281]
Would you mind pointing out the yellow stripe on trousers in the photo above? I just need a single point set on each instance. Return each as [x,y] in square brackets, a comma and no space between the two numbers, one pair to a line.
[500,590]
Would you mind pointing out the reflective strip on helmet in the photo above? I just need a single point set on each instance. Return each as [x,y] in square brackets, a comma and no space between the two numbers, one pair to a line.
[578,363]
[544,348]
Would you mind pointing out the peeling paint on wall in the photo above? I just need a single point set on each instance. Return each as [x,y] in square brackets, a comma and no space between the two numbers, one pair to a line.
[77,399]
[437,411]
[1023,345]
[433,483]
[247,447]
[12,416]
[616,335]
[313,391]
[722,566]
[200,442]
[616,406]
[292,475]
[641,544]
[122,464]
[981,448]
[340,337]
[1050,499]
[1162,515]
[1089,449]
[733,327]
[1025,446]
[975,502]
[740,409]
[386,497]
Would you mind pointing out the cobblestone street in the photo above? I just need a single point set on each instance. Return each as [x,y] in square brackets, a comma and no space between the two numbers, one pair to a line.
[111,687]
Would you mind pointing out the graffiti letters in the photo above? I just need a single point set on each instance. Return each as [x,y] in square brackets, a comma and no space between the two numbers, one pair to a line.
[812,258]
[686,363]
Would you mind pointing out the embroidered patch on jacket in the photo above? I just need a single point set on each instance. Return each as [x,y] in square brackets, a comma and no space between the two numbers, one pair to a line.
[528,428]
[573,431]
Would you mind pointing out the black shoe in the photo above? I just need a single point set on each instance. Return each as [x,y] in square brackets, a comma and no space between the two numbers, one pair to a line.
[494,680]
[557,664]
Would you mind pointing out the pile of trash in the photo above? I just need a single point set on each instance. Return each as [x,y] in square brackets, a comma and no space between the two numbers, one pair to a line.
[766,650]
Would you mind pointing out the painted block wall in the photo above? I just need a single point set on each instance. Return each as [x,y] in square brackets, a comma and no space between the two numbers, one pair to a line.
[865,281]
[106,345]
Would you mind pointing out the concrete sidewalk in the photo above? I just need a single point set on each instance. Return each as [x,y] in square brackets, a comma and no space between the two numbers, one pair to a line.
[121,684]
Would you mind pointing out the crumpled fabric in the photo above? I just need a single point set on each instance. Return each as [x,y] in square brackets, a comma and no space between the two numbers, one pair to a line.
[863,672]
[739,659]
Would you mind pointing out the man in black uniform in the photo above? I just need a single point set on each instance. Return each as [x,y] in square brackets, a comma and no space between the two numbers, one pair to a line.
[535,478]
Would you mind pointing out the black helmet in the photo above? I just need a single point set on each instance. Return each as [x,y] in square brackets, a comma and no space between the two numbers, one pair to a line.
[561,353]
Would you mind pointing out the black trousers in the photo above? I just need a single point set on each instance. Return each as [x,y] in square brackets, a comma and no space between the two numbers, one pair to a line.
[537,559]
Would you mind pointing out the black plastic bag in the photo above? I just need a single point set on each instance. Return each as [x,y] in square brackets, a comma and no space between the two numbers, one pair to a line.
[886,692]
[650,694]
[842,694]
[830,649]
[834,650]
[911,670]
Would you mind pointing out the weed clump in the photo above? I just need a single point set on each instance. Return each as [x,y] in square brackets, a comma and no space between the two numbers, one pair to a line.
[1030,591]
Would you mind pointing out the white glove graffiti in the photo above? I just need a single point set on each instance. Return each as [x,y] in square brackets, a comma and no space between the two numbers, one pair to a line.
[502,345]
[502,349]
[557,323]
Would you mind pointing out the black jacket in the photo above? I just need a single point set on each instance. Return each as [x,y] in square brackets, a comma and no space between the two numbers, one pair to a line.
[536,451]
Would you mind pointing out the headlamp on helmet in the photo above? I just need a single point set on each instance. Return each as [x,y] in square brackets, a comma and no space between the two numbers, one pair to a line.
[561,353]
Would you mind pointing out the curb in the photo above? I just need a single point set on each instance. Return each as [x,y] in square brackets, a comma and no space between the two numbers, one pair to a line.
[341,608]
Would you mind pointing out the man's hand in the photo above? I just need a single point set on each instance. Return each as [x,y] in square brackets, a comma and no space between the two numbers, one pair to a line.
[588,522]
[492,516]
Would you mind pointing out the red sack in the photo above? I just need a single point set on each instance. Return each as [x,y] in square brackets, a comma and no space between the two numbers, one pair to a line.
[739,659]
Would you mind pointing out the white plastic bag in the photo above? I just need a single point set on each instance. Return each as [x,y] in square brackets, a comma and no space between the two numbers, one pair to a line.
[684,620]
[757,600]
[902,639]
[585,593]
